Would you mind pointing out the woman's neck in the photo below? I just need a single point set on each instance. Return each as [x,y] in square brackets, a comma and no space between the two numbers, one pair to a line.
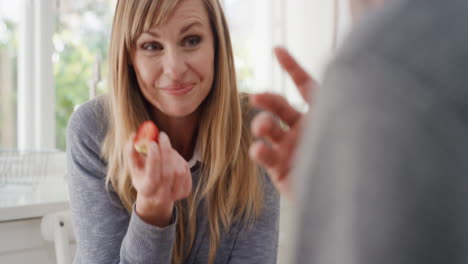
[182,131]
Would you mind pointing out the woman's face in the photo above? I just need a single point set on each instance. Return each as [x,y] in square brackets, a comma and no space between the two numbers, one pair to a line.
[174,62]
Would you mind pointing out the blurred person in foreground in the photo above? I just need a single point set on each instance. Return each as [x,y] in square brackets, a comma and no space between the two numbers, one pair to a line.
[381,162]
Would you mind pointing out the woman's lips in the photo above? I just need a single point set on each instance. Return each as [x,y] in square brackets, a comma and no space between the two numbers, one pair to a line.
[178,90]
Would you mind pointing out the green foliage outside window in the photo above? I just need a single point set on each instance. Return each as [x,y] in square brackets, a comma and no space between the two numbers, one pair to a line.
[80,40]
[8,82]
[78,50]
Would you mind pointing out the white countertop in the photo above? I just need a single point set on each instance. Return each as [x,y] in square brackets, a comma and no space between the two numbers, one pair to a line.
[19,202]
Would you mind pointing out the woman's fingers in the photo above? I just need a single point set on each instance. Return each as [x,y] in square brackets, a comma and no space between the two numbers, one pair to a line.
[174,168]
[304,82]
[153,163]
[137,163]
[182,177]
[163,175]
[277,105]
[166,159]
[177,174]
[187,186]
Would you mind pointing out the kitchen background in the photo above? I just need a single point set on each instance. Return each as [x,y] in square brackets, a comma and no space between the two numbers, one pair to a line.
[53,57]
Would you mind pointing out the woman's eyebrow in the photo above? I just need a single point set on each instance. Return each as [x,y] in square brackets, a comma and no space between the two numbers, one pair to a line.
[152,33]
[183,30]
[189,26]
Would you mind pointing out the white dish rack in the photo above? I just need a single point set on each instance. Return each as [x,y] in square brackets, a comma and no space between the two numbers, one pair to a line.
[26,167]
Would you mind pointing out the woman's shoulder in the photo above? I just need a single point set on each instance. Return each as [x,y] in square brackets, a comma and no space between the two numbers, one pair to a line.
[90,119]
[86,131]
[271,194]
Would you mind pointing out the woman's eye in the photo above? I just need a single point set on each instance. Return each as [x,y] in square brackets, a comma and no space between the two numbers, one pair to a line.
[192,41]
[152,46]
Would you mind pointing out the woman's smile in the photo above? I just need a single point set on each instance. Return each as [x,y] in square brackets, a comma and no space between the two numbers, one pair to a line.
[178,89]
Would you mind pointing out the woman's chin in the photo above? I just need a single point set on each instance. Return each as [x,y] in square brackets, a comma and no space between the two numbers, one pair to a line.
[179,112]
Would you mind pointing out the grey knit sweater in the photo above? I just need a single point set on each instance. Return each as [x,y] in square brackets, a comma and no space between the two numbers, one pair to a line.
[107,233]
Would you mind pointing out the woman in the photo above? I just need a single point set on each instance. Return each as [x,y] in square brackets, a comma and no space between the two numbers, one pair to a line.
[170,62]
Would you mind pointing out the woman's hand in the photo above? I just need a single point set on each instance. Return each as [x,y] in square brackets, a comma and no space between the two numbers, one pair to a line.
[160,178]
[277,145]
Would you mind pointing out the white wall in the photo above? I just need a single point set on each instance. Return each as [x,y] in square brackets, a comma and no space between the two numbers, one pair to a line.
[308,35]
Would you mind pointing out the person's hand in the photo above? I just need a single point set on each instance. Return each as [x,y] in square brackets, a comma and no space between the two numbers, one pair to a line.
[160,178]
[276,145]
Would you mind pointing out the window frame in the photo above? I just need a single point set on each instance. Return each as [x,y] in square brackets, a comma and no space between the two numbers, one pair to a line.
[36,89]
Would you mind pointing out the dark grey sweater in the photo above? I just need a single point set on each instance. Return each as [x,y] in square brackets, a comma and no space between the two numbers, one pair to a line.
[383,166]
[106,233]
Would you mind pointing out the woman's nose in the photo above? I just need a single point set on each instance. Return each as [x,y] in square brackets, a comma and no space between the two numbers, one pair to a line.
[174,64]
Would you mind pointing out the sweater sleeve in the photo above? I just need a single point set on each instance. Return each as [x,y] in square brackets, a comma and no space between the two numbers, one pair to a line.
[259,243]
[105,231]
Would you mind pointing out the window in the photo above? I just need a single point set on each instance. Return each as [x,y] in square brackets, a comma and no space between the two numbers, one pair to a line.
[9,18]
[51,53]
[305,27]
[80,56]
[53,56]
[251,35]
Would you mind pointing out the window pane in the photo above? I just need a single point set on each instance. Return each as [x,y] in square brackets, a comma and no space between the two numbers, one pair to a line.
[81,46]
[9,18]
[305,27]
[252,39]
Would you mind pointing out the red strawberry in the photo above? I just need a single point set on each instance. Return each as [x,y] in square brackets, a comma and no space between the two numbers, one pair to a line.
[147,132]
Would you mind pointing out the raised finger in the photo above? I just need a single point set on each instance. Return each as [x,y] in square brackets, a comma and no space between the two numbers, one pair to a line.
[300,77]
[276,104]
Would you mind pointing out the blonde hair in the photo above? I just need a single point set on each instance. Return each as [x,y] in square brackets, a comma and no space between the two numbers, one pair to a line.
[230,183]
